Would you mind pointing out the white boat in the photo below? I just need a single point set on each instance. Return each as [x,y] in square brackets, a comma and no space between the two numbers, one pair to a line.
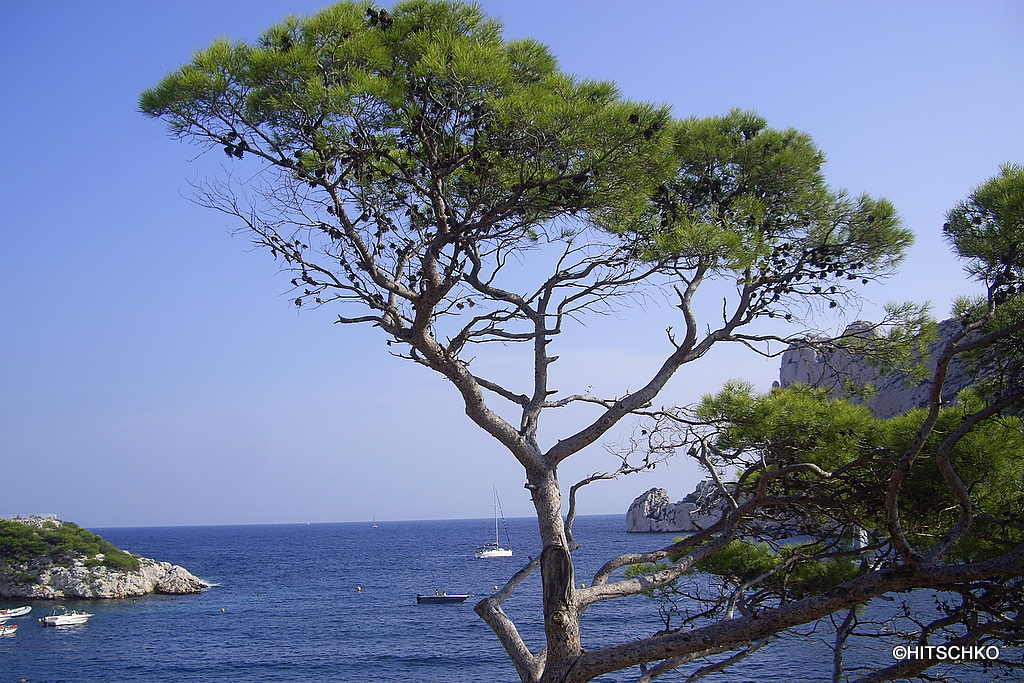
[8,629]
[65,618]
[495,549]
[14,612]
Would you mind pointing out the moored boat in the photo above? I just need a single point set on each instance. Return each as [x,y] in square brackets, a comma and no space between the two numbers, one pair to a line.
[8,629]
[65,618]
[495,549]
[441,598]
[14,612]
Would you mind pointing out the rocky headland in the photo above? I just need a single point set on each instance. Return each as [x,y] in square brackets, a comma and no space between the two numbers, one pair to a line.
[654,511]
[47,559]
[894,395]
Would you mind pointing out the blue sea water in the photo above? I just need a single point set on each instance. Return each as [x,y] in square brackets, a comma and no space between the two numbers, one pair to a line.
[323,603]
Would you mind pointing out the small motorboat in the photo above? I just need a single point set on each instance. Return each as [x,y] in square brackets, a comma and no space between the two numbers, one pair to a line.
[14,612]
[65,618]
[441,598]
[8,629]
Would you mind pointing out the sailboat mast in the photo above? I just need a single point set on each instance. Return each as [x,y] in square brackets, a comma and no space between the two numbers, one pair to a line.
[495,549]
[494,489]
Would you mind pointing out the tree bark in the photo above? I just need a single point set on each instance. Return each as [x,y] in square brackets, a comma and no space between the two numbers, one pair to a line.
[561,618]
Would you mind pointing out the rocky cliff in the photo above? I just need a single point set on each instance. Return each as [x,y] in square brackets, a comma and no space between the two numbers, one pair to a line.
[895,395]
[654,511]
[47,559]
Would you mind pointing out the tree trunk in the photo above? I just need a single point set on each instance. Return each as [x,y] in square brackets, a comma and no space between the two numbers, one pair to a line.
[561,613]
[561,618]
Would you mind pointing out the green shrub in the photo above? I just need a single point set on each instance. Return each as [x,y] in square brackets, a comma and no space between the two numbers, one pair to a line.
[120,560]
[61,543]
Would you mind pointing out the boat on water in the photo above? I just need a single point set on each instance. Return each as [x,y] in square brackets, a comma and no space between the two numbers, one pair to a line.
[65,618]
[495,549]
[8,629]
[14,612]
[441,598]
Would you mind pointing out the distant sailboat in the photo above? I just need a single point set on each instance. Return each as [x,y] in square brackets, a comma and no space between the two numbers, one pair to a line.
[495,549]
[374,522]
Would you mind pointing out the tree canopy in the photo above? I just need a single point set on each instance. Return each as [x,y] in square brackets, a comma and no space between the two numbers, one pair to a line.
[986,230]
[829,497]
[456,190]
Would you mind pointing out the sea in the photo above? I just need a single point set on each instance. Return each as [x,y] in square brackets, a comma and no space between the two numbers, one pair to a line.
[329,603]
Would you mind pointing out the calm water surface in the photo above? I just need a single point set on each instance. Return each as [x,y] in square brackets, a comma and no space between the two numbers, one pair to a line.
[337,602]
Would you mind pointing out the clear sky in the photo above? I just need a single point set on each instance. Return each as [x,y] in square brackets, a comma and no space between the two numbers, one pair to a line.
[152,371]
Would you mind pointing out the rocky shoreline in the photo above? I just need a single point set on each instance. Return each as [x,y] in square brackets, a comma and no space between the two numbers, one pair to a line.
[58,574]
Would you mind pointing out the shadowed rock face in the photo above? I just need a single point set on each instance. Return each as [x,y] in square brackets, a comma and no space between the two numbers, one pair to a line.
[42,579]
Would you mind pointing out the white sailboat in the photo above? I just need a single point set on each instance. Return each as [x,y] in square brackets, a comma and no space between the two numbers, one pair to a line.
[495,549]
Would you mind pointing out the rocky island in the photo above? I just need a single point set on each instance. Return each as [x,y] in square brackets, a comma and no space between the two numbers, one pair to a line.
[654,511]
[45,558]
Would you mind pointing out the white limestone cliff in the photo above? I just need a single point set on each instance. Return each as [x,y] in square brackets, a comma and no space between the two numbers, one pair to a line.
[894,394]
[80,581]
[654,511]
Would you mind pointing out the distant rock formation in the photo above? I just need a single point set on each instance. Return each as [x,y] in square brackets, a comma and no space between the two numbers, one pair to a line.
[894,395]
[654,511]
[79,576]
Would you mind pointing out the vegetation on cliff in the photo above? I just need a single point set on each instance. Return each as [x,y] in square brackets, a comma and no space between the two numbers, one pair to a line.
[59,543]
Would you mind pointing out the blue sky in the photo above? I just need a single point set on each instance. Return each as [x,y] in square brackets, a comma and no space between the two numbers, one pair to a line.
[153,372]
